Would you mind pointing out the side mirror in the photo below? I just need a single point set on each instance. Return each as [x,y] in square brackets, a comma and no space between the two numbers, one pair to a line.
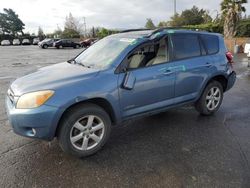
[129,81]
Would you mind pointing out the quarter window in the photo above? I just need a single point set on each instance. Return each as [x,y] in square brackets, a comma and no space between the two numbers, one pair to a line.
[203,50]
[185,46]
[211,43]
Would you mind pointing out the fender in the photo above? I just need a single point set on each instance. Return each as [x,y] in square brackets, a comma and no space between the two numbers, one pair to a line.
[208,80]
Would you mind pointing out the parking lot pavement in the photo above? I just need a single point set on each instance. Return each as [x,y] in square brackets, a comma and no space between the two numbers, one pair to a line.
[178,148]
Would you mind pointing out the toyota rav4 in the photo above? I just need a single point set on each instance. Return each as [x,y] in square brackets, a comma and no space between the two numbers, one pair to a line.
[126,75]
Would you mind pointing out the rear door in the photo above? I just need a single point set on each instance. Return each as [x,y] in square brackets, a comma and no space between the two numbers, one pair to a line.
[192,66]
[71,44]
[68,43]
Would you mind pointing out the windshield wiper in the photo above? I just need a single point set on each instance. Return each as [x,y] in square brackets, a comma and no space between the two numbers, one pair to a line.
[83,65]
[72,61]
[75,62]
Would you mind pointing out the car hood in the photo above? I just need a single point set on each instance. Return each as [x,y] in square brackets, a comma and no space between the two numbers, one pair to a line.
[52,77]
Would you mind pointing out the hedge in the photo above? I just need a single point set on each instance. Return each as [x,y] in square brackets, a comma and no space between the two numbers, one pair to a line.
[243,29]
[210,27]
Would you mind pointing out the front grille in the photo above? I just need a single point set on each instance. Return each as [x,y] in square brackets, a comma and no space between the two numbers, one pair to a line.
[11,96]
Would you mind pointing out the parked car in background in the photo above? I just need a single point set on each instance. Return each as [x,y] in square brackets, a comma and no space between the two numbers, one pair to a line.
[36,41]
[26,42]
[5,43]
[48,42]
[16,42]
[66,43]
[88,42]
[126,75]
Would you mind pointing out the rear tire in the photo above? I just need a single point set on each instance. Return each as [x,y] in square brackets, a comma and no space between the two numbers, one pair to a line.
[211,99]
[84,130]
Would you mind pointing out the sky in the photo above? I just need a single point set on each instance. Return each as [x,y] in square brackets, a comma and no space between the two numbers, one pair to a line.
[116,14]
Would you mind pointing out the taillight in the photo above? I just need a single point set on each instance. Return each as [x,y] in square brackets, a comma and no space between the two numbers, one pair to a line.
[229,56]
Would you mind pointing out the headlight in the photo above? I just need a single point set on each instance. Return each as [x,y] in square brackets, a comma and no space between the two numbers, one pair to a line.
[34,99]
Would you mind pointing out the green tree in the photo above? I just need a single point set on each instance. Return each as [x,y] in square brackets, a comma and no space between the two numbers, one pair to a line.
[176,20]
[163,24]
[243,28]
[231,10]
[103,32]
[40,33]
[4,25]
[193,16]
[93,32]
[70,33]
[150,24]
[10,23]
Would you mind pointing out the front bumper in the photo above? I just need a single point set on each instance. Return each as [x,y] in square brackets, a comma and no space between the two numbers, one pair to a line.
[38,123]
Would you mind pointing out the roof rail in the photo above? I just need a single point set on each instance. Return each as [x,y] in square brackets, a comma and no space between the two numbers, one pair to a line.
[166,28]
[130,30]
[158,30]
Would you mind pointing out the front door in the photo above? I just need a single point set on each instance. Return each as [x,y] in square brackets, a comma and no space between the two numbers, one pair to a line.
[151,80]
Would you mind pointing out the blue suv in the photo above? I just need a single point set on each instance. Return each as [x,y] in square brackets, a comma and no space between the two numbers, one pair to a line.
[126,75]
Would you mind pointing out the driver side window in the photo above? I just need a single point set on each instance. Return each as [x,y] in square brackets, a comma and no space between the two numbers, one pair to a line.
[149,55]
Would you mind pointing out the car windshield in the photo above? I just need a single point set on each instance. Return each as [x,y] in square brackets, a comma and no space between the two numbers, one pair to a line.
[103,53]
[46,40]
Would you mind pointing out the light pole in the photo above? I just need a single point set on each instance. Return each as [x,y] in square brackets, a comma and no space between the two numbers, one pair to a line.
[85,26]
[174,7]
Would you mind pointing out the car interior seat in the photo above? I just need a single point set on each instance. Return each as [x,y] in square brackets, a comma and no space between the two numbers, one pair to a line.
[136,60]
[161,56]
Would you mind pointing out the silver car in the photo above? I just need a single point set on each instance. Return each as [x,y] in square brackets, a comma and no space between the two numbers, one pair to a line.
[16,42]
[5,43]
[26,42]
[36,41]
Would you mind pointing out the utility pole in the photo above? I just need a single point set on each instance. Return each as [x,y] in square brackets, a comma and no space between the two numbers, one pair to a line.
[175,7]
[85,26]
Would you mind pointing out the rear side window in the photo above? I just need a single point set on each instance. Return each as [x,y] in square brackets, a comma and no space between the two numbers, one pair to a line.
[185,46]
[211,42]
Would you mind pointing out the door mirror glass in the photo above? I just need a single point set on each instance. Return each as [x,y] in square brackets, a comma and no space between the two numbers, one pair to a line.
[129,81]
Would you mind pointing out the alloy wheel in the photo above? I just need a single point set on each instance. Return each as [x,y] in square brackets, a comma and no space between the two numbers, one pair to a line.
[213,98]
[87,132]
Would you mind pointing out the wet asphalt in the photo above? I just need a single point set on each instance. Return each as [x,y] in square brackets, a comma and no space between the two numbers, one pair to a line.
[178,148]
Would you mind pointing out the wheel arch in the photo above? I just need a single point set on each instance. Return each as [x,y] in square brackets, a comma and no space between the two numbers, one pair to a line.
[221,79]
[103,103]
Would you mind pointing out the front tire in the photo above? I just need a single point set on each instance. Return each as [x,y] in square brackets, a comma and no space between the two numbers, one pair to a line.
[84,130]
[211,99]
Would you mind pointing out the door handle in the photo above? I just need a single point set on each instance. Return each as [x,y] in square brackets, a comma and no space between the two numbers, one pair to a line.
[208,65]
[168,72]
